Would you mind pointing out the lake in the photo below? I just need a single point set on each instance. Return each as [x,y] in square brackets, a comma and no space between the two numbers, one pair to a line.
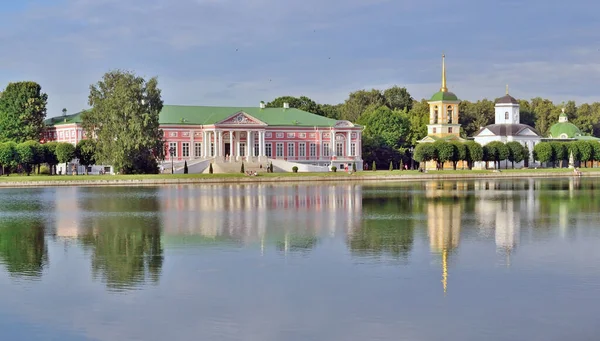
[437,260]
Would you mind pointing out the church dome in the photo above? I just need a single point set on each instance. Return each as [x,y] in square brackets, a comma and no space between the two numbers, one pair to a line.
[444,96]
[564,130]
[507,99]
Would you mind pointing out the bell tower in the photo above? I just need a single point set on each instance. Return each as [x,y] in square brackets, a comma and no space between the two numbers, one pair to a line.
[443,110]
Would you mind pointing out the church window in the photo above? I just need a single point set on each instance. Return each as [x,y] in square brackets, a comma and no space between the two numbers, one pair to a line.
[449,130]
[506,115]
[435,115]
[449,112]
[434,130]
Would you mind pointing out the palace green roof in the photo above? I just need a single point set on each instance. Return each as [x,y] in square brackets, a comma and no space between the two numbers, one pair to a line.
[203,115]
[567,128]
[67,119]
[444,96]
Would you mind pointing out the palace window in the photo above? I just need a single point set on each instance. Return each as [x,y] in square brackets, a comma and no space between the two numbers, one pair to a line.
[242,149]
[256,149]
[325,149]
[279,150]
[313,149]
[290,152]
[185,149]
[212,149]
[506,115]
[434,130]
[268,150]
[302,149]
[197,149]
[174,146]
[353,149]
[450,130]
[339,149]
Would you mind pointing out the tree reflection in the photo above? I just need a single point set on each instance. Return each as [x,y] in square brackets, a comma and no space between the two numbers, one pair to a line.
[22,247]
[124,235]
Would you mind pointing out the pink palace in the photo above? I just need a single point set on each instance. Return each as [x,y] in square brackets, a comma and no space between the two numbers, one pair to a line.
[227,136]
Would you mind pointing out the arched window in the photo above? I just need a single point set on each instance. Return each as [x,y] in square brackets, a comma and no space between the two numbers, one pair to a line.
[449,113]
[435,114]
[506,115]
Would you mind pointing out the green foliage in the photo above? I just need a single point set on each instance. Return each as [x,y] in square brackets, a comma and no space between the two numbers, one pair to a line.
[515,152]
[397,98]
[210,168]
[460,153]
[496,152]
[334,169]
[391,166]
[473,116]
[185,167]
[445,151]
[124,118]
[8,156]
[559,151]
[359,101]
[65,152]
[25,156]
[22,112]
[474,153]
[354,165]
[425,152]
[543,152]
[23,248]
[242,169]
[295,169]
[387,126]
[85,151]
[596,150]
[585,151]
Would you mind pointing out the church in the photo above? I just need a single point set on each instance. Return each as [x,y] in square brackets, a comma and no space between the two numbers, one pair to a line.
[508,128]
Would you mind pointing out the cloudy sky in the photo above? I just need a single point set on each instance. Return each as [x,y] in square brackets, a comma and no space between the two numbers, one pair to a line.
[239,52]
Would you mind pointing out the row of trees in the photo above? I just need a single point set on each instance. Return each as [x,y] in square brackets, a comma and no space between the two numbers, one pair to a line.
[395,121]
[28,156]
[558,153]
[470,152]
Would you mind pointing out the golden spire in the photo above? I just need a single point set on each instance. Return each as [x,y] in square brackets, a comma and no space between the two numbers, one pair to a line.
[507,89]
[445,270]
[443,88]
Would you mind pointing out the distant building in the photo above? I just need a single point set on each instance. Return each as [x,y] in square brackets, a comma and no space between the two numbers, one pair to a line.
[227,136]
[507,128]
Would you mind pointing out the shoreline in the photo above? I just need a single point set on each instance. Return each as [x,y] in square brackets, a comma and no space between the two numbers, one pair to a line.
[357,177]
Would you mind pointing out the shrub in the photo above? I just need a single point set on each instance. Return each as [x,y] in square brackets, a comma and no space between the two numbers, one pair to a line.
[45,170]
[185,167]
[391,166]
[295,169]
[354,167]
[242,169]
[210,169]
[374,167]
[333,168]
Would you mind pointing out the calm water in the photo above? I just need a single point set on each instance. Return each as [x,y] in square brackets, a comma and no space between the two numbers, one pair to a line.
[472,260]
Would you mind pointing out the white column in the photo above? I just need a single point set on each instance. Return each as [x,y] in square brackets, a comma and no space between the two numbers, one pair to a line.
[220,143]
[248,134]
[261,144]
[332,148]
[230,145]
[237,150]
[348,141]
[192,146]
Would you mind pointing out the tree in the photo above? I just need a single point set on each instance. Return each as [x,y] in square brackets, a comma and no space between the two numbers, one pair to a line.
[419,119]
[242,169]
[354,165]
[596,150]
[515,152]
[397,98]
[185,167]
[49,150]
[572,149]
[559,151]
[497,151]
[8,156]
[474,153]
[124,120]
[424,152]
[585,151]
[85,151]
[330,111]
[22,112]
[210,169]
[303,103]
[460,153]
[65,152]
[359,101]
[26,156]
[444,152]
[543,152]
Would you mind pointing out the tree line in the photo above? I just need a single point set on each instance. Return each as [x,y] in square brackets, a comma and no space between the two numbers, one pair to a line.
[394,121]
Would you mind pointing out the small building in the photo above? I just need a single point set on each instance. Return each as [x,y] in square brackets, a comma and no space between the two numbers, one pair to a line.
[508,128]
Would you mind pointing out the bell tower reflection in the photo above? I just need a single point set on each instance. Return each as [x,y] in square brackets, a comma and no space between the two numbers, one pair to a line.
[444,214]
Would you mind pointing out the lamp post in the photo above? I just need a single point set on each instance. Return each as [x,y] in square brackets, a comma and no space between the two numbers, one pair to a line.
[411,149]
[171,153]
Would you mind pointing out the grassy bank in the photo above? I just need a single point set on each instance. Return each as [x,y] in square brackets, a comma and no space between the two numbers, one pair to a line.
[47,180]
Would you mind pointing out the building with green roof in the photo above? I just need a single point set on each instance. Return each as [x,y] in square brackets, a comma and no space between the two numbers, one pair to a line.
[565,130]
[254,135]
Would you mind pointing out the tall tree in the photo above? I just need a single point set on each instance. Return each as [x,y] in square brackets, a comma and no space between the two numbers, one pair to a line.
[359,101]
[124,119]
[302,103]
[398,98]
[515,152]
[65,152]
[85,151]
[22,112]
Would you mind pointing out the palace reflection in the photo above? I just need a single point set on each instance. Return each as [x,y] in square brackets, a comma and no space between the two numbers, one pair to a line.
[292,218]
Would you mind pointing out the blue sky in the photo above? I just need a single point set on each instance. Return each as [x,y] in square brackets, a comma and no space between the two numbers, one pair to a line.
[237,53]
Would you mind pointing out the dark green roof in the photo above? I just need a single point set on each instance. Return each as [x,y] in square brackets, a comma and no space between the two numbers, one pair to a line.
[181,114]
[566,128]
[201,115]
[67,119]
[444,96]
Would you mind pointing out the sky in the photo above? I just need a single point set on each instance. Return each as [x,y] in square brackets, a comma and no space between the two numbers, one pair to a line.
[241,52]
